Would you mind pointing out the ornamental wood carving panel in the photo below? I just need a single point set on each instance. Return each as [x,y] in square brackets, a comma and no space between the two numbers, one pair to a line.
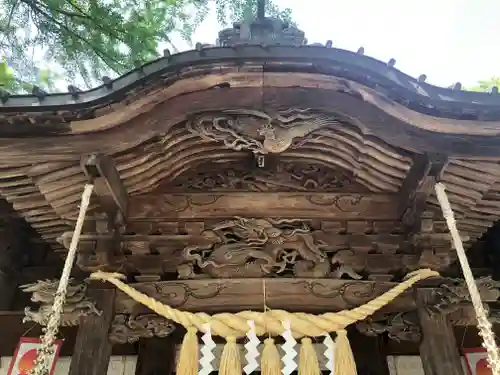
[333,206]
[308,295]
[259,247]
[287,174]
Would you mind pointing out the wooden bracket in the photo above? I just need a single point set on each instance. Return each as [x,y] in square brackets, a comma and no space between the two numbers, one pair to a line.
[427,169]
[108,187]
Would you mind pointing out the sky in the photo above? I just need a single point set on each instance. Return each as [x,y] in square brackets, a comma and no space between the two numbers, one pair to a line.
[448,40]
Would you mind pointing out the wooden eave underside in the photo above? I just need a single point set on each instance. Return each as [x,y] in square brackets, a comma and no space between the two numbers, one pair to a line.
[42,177]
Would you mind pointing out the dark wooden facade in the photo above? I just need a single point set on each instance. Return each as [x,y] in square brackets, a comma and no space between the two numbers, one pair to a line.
[304,165]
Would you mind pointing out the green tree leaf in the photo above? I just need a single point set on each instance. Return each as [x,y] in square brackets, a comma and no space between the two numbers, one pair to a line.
[486,85]
[83,40]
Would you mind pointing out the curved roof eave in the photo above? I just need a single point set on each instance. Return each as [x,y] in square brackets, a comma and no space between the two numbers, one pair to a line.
[342,63]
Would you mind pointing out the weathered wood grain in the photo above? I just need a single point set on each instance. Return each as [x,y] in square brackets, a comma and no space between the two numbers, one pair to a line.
[419,184]
[113,198]
[438,349]
[308,295]
[92,348]
[334,206]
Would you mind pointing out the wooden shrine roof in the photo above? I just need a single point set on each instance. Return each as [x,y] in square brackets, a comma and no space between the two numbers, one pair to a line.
[329,123]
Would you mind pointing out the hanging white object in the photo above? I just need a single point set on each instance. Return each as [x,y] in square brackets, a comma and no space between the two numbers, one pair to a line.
[290,364]
[483,323]
[329,353]
[46,350]
[207,352]
[251,348]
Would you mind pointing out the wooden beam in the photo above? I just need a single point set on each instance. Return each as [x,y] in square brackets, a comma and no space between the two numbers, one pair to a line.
[334,206]
[156,356]
[438,349]
[108,187]
[92,348]
[418,186]
[307,295]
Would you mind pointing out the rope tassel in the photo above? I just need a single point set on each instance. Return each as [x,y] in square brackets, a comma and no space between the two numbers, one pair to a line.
[230,361]
[233,326]
[188,363]
[344,359]
[308,360]
[270,362]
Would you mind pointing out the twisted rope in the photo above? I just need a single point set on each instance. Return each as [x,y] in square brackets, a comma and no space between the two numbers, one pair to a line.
[483,324]
[46,350]
[236,325]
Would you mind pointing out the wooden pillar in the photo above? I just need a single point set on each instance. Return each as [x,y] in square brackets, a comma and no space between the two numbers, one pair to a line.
[438,349]
[10,261]
[156,356]
[369,353]
[92,348]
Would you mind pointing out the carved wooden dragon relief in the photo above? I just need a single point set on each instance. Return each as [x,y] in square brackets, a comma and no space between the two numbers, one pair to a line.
[259,132]
[450,298]
[77,303]
[399,327]
[250,247]
[257,248]
[266,247]
[130,328]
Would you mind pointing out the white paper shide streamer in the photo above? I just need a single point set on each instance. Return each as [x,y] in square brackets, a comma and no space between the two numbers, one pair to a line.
[290,364]
[207,355]
[251,348]
[329,353]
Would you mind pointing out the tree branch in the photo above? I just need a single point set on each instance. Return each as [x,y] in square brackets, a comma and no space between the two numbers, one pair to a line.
[101,54]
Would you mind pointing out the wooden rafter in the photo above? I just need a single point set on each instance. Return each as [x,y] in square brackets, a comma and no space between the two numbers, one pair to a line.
[418,186]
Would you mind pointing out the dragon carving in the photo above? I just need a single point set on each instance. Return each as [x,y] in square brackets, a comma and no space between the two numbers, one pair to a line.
[77,304]
[399,327]
[257,248]
[130,328]
[256,131]
[450,298]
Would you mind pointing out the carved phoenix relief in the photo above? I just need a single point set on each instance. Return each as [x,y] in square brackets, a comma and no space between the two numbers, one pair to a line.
[259,132]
